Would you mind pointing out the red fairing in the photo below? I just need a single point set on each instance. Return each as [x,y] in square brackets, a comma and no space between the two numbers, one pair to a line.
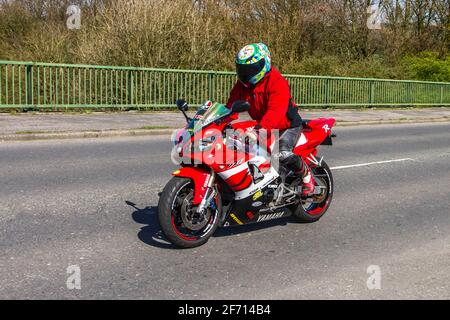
[316,123]
[240,181]
[314,135]
[245,125]
[200,178]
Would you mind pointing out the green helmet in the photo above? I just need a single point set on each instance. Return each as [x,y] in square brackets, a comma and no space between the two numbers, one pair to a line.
[253,62]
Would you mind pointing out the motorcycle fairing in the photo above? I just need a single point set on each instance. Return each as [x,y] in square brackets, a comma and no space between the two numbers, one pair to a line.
[200,177]
[253,209]
[315,132]
[240,179]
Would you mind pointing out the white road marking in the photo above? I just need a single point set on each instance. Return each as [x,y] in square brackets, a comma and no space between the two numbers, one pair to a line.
[371,164]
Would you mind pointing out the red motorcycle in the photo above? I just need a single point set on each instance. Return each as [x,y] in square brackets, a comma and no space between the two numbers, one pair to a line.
[227,179]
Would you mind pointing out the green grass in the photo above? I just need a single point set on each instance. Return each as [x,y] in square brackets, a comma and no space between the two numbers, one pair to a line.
[154,127]
[92,130]
[31,132]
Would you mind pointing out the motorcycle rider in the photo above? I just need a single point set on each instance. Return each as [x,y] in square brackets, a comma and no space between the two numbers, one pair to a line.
[269,95]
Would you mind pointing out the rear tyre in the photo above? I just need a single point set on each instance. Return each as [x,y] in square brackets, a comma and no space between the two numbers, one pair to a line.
[179,221]
[314,208]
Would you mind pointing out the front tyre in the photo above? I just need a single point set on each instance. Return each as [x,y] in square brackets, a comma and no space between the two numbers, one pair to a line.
[178,218]
[313,208]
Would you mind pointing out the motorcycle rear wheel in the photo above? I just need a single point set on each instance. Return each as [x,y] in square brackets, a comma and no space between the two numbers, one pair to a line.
[178,218]
[313,209]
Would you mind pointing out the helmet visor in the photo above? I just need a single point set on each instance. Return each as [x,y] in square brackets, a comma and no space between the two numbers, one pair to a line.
[246,72]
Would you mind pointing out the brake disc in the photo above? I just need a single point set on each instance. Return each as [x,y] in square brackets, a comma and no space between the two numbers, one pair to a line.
[191,218]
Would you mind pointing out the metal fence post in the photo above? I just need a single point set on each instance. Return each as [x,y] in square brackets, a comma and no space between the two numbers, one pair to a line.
[29,84]
[327,92]
[131,88]
[372,93]
[211,78]
[409,94]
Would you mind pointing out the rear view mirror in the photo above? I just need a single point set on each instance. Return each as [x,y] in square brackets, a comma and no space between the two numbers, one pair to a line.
[240,106]
[182,105]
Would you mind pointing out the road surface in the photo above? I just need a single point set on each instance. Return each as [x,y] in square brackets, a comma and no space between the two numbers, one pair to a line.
[68,203]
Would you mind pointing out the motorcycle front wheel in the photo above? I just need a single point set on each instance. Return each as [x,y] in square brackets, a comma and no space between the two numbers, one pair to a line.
[178,217]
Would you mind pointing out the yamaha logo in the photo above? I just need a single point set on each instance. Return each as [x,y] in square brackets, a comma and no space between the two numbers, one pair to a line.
[266,217]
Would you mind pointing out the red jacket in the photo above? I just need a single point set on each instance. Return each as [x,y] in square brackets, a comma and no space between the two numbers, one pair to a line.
[270,101]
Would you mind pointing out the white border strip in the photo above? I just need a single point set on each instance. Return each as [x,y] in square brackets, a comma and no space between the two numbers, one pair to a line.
[370,164]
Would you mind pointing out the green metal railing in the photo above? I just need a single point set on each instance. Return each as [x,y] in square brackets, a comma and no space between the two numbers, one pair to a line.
[56,86]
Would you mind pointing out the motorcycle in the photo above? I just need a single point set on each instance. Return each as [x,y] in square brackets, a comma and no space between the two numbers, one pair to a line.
[226,180]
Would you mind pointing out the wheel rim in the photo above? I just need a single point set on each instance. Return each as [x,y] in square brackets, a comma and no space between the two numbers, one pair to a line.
[317,205]
[186,222]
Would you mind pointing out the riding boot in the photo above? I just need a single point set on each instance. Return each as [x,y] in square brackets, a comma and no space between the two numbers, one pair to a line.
[308,181]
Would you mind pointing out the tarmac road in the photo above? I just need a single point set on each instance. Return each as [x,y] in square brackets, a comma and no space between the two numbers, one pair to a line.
[64,203]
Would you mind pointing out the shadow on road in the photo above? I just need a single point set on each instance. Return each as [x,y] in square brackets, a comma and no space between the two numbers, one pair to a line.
[231,231]
[151,234]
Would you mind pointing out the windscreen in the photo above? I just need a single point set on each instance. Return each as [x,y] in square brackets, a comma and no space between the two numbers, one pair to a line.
[206,115]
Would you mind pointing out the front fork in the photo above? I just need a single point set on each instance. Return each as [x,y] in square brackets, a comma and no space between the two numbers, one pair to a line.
[209,194]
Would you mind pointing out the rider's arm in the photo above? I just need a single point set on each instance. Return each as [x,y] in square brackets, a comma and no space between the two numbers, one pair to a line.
[279,96]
